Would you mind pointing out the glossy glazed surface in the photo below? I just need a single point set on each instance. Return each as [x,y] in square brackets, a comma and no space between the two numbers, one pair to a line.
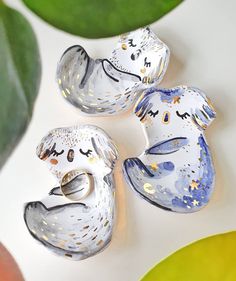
[111,85]
[83,227]
[175,172]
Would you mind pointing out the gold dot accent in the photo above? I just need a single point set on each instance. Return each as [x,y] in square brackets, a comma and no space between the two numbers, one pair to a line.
[154,166]
[194,185]
[45,237]
[92,160]
[64,94]
[176,99]
[195,202]
[124,46]
[143,70]
[147,80]
[148,188]
[33,231]
[100,242]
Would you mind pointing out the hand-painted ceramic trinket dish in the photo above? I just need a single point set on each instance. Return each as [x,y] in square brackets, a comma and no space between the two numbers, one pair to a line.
[175,172]
[76,218]
[110,86]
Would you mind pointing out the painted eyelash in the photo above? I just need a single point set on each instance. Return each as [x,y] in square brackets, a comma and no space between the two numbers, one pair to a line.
[52,151]
[153,114]
[131,43]
[85,153]
[55,153]
[183,116]
[146,63]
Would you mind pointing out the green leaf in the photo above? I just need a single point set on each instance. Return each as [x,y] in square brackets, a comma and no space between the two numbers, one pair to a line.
[20,72]
[100,18]
[209,259]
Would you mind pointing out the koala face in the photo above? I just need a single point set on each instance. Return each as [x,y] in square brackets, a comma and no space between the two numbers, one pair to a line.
[79,147]
[177,112]
[142,53]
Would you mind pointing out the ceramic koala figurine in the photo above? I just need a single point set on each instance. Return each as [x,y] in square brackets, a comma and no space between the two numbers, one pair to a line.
[175,172]
[76,219]
[110,86]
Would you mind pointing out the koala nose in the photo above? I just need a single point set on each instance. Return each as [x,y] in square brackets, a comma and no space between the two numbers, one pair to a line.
[166,117]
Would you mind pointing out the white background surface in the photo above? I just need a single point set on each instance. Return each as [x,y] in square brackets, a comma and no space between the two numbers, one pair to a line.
[201,36]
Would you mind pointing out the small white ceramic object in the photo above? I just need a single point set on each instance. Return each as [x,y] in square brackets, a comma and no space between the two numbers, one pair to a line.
[175,172]
[76,219]
[110,86]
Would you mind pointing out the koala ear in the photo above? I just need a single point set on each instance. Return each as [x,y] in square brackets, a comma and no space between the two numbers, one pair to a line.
[203,112]
[143,105]
[106,149]
[46,142]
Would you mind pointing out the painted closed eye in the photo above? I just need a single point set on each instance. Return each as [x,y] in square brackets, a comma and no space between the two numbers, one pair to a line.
[55,153]
[152,113]
[146,63]
[52,151]
[183,116]
[86,153]
[131,43]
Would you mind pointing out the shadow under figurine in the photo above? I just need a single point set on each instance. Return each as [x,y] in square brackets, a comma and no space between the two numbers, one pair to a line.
[76,219]
[175,172]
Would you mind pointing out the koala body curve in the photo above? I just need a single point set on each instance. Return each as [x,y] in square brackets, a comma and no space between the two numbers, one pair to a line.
[103,87]
[76,230]
[175,172]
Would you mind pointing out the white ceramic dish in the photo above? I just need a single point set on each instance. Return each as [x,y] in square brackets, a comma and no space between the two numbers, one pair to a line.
[111,85]
[175,172]
[76,219]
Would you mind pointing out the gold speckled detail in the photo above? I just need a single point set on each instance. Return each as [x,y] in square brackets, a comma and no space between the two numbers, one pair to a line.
[194,185]
[92,160]
[161,67]
[100,242]
[124,46]
[154,166]
[143,70]
[148,188]
[195,202]
[63,93]
[176,99]
[45,237]
[147,80]
[33,231]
